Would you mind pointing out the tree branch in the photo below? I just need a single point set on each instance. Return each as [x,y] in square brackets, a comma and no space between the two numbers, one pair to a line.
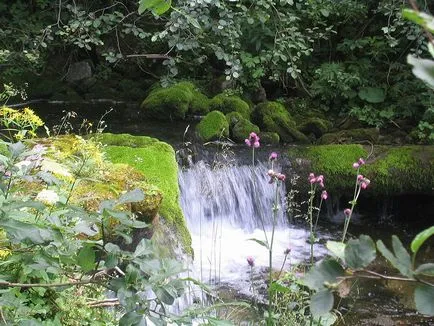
[46,285]
[149,56]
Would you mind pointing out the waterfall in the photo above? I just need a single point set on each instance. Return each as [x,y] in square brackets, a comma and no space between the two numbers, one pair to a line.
[227,207]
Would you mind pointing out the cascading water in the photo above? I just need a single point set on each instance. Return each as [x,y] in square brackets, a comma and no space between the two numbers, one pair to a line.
[225,208]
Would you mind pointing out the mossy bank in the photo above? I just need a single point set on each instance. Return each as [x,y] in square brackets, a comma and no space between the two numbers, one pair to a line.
[156,160]
[392,170]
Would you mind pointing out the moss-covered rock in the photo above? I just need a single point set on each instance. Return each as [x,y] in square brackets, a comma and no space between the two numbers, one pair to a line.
[233,118]
[273,117]
[269,138]
[350,136]
[213,126]
[156,160]
[314,126]
[226,104]
[392,170]
[242,129]
[175,102]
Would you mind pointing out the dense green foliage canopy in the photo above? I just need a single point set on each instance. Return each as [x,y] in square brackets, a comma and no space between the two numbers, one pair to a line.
[335,57]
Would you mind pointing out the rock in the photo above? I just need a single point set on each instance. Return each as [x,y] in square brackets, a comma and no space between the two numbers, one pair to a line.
[213,126]
[175,102]
[241,130]
[78,71]
[233,118]
[156,161]
[226,104]
[315,126]
[350,136]
[273,117]
[269,138]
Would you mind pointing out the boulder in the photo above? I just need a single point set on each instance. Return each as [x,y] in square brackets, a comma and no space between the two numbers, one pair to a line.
[213,126]
[273,117]
[226,104]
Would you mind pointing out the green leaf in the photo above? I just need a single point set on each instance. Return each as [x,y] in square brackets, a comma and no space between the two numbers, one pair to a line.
[325,272]
[321,303]
[20,232]
[86,258]
[419,239]
[372,94]
[144,248]
[133,196]
[425,269]
[404,265]
[422,69]
[424,299]
[164,295]
[360,252]
[337,249]
[132,318]
[262,243]
[162,7]
[159,7]
[278,288]
[419,18]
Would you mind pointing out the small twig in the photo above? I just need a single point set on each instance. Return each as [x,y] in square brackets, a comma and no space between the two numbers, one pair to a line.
[104,303]
[46,285]
[377,276]
[149,56]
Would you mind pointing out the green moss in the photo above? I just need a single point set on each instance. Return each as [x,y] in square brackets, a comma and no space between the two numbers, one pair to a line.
[273,117]
[392,170]
[175,102]
[270,138]
[350,136]
[213,126]
[233,118]
[156,160]
[403,169]
[199,104]
[315,126]
[242,129]
[226,104]
[333,161]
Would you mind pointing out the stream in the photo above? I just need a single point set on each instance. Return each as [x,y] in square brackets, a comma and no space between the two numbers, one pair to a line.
[229,205]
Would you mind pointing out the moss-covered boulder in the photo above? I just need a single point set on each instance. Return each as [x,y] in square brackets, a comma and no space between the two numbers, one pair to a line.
[350,136]
[273,117]
[213,126]
[226,104]
[392,170]
[242,129]
[175,102]
[269,138]
[233,118]
[314,126]
[156,160]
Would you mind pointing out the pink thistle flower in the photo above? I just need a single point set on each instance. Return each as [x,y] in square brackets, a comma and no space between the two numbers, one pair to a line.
[361,161]
[312,178]
[251,261]
[273,156]
[253,136]
[324,195]
[360,177]
[365,183]
[356,165]
[256,144]
[281,177]
[287,251]
[248,143]
[347,211]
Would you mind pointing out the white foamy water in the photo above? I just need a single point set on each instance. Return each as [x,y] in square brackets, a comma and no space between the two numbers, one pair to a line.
[225,208]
